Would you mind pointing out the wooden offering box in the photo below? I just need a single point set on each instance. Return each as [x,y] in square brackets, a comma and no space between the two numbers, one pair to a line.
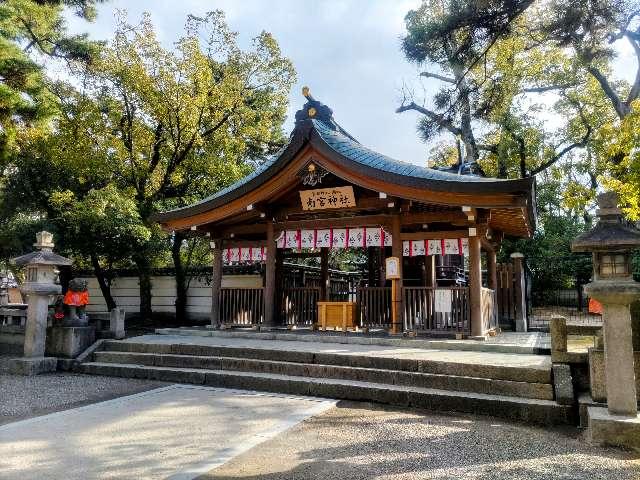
[337,315]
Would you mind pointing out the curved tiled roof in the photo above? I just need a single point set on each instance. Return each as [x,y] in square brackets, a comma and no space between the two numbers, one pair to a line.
[357,152]
[329,138]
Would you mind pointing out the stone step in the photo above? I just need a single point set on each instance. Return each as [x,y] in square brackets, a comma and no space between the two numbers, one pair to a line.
[459,369]
[514,408]
[543,391]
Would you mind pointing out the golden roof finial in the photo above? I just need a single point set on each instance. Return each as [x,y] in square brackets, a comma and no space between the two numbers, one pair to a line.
[305,91]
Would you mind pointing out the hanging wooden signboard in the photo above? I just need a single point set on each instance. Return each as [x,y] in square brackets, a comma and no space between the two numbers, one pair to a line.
[323,198]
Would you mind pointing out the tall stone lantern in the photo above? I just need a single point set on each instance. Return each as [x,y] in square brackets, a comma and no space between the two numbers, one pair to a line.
[612,242]
[40,284]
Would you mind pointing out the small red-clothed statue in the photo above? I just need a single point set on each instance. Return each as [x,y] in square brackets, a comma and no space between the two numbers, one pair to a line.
[76,300]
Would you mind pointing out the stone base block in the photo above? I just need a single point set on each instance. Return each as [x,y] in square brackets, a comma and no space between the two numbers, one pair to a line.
[69,342]
[613,430]
[597,376]
[33,366]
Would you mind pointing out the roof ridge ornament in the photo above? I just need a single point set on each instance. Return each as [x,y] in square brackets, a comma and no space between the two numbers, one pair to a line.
[314,109]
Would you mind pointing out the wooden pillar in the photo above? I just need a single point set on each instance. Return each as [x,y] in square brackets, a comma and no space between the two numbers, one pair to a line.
[430,270]
[324,274]
[216,283]
[520,292]
[475,286]
[396,251]
[492,272]
[270,279]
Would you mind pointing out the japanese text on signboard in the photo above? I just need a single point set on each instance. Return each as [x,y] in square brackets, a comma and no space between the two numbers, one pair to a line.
[338,197]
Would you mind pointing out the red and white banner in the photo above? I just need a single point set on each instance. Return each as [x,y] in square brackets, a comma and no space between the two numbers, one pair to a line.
[442,246]
[334,238]
[244,254]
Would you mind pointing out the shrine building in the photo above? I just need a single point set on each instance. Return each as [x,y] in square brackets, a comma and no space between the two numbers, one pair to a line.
[424,233]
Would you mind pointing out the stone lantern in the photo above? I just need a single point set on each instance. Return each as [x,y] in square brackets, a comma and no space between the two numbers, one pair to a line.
[612,242]
[40,283]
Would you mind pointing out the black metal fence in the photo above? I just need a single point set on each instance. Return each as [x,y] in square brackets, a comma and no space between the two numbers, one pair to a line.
[557,288]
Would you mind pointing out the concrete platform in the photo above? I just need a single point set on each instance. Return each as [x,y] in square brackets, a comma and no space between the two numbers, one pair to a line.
[506,342]
[537,363]
[176,432]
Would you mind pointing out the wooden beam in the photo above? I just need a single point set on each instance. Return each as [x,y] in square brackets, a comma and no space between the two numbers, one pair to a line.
[336,222]
[286,255]
[408,218]
[244,243]
[429,235]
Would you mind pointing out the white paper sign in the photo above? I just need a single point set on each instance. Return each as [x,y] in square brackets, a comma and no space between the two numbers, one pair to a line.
[442,300]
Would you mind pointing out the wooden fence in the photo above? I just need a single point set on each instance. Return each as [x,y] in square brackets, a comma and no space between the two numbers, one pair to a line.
[374,307]
[242,306]
[425,312]
[299,306]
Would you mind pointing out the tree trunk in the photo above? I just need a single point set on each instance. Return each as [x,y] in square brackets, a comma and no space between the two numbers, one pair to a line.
[144,279]
[181,278]
[105,286]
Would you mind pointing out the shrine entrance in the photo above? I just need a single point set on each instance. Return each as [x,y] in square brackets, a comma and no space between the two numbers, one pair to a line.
[325,194]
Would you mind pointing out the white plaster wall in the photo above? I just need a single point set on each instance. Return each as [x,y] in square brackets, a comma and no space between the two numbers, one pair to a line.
[125,291]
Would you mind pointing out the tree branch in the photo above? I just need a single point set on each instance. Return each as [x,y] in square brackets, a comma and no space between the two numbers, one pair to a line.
[582,143]
[437,118]
[621,109]
[438,77]
[548,88]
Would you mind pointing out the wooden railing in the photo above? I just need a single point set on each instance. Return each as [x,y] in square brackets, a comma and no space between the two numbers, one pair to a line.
[13,316]
[241,306]
[437,310]
[489,309]
[299,306]
[374,307]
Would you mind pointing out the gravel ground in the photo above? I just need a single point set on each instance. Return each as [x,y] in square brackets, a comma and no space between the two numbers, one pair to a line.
[24,397]
[359,441]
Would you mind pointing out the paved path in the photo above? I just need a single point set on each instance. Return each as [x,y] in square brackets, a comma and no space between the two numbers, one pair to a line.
[175,432]
[541,362]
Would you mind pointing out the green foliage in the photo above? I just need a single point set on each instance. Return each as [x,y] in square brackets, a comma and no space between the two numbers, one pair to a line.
[105,221]
[30,32]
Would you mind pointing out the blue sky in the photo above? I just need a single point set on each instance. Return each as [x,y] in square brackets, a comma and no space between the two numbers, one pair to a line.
[346,51]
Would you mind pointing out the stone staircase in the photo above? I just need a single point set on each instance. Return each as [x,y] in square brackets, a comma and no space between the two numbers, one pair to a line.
[512,392]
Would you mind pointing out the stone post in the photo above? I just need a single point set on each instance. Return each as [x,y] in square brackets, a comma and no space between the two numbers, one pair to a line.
[618,348]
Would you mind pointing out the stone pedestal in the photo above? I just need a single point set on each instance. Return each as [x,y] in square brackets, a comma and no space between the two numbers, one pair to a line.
[69,342]
[116,323]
